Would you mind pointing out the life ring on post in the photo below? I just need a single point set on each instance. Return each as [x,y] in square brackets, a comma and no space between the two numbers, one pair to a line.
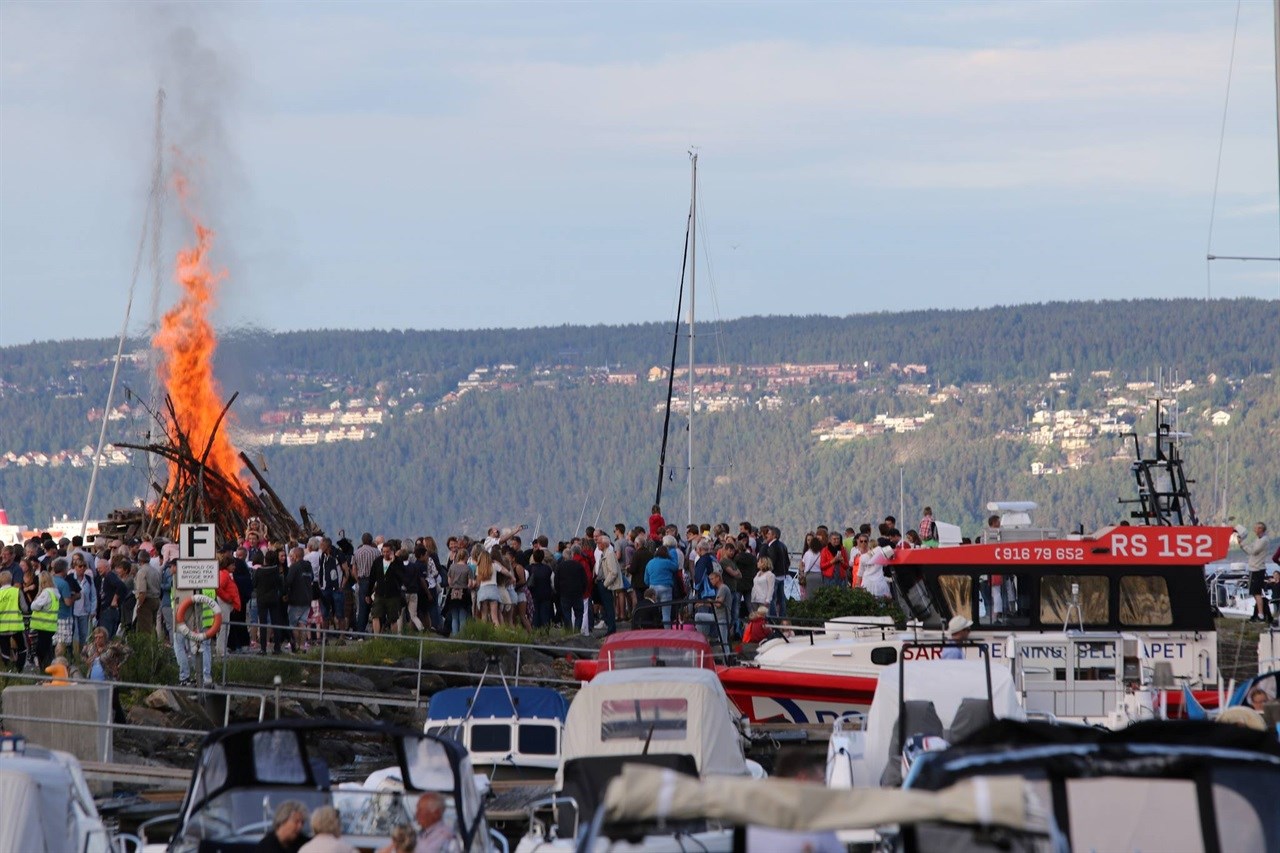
[180,618]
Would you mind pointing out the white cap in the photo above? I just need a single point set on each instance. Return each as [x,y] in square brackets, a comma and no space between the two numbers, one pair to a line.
[958,624]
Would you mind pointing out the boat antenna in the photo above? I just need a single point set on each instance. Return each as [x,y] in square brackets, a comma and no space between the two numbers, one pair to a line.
[671,373]
[150,217]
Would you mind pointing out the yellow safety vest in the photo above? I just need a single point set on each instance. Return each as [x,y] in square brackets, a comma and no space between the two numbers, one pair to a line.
[10,613]
[47,619]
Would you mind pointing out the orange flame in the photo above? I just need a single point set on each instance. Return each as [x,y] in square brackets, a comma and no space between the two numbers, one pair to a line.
[187,342]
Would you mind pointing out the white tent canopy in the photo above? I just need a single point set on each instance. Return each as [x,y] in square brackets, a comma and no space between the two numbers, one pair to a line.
[662,711]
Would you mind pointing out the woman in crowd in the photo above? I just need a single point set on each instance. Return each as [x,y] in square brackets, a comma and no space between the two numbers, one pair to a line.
[434,583]
[834,562]
[458,605]
[811,566]
[267,583]
[96,646]
[44,619]
[488,599]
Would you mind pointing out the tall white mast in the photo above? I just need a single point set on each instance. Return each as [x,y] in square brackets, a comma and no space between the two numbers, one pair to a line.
[693,289]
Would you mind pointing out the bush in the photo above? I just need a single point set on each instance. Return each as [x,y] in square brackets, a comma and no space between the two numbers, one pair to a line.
[832,601]
[150,661]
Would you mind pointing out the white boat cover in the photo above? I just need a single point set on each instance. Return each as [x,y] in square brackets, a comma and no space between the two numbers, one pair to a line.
[45,805]
[21,816]
[945,683]
[644,793]
[675,711]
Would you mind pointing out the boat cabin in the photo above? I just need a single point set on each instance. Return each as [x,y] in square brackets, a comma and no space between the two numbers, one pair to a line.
[648,647]
[509,730]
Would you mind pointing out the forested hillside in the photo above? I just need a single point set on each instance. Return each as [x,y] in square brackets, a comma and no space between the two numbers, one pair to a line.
[555,455]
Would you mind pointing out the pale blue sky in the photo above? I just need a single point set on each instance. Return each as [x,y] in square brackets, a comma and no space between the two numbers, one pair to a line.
[454,165]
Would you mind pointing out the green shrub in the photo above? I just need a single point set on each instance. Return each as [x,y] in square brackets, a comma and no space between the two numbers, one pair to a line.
[150,661]
[832,601]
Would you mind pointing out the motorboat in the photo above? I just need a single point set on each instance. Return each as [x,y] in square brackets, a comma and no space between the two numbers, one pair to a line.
[243,773]
[678,718]
[511,732]
[1186,785]
[925,706]
[45,802]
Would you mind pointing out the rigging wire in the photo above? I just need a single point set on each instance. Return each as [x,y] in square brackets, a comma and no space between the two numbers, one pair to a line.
[1217,174]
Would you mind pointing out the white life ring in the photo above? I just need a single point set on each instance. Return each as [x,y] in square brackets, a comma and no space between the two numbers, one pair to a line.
[180,620]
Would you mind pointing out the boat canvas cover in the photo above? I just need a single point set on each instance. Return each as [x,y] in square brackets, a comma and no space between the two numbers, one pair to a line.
[671,711]
[654,794]
[945,683]
[38,809]
[456,703]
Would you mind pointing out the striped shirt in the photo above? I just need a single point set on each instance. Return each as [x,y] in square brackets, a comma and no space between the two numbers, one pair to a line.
[363,559]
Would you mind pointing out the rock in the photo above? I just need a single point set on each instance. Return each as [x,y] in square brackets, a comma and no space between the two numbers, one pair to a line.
[538,670]
[245,708]
[347,682]
[140,742]
[163,700]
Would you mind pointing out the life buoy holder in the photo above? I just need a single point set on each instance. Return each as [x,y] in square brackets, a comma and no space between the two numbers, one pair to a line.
[180,618]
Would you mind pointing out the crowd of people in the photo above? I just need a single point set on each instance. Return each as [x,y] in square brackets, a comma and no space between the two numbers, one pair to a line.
[63,599]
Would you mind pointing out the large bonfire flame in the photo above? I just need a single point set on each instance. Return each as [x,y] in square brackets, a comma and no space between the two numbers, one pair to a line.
[187,342]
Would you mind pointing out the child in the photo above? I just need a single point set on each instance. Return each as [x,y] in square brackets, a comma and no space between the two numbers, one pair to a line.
[757,631]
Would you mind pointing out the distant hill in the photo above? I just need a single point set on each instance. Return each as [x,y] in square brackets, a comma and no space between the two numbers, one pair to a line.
[582,449]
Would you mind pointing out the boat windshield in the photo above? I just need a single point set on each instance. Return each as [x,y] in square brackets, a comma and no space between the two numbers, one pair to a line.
[647,656]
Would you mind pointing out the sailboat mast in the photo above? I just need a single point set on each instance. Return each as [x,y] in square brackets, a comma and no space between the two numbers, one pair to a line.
[693,291]
[1275,20]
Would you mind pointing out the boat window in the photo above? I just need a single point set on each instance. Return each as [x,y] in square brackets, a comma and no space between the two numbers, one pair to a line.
[490,737]
[213,773]
[642,656]
[1056,604]
[644,719]
[1144,600]
[957,594]
[277,757]
[1142,814]
[1247,818]
[538,739]
[428,765]
[913,596]
[1005,600]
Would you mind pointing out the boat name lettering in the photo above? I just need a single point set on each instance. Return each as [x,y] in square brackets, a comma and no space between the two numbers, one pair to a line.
[1168,650]
[926,653]
[1141,543]
[1060,553]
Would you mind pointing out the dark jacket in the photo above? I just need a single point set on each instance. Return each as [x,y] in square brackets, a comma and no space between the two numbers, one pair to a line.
[571,582]
[298,584]
[387,578]
[267,581]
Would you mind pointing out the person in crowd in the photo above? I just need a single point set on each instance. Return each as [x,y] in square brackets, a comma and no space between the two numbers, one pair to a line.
[13,640]
[834,562]
[146,588]
[433,582]
[871,567]
[297,591]
[286,834]
[1257,552]
[362,561]
[541,588]
[434,835]
[85,609]
[712,617]
[957,633]
[44,619]
[657,525]
[927,529]
[1258,699]
[780,559]
[659,575]
[608,574]
[757,630]
[412,582]
[404,839]
[387,588]
[68,594]
[487,594]
[326,833]
[570,585]
[763,587]
[228,596]
[106,667]
[330,578]
[168,567]
[268,584]
[238,638]
[459,603]
[97,644]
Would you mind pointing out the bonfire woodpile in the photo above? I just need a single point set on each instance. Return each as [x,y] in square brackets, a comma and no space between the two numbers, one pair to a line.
[197,492]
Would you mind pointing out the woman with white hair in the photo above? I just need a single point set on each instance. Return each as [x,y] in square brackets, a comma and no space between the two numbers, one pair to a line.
[326,833]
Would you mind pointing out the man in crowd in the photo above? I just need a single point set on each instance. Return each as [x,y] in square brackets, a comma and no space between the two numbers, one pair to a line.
[363,561]
[571,586]
[434,835]
[1257,552]
[86,606]
[541,588]
[608,576]
[68,595]
[386,578]
[146,586]
[297,585]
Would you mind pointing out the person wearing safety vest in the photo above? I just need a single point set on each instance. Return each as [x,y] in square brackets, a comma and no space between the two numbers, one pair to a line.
[44,619]
[13,642]
[181,651]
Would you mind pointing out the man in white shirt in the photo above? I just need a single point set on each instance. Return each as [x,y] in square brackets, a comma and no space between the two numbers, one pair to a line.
[1257,551]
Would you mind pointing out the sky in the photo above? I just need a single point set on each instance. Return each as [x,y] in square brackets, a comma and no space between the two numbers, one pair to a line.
[478,165]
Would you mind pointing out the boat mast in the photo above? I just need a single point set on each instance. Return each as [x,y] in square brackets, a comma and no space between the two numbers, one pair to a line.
[1275,19]
[693,289]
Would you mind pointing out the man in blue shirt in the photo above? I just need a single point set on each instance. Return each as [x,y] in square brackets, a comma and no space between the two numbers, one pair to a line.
[67,596]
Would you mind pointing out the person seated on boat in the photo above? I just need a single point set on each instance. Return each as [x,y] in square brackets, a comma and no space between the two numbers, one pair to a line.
[712,612]
[285,835]
[326,833]
[957,632]
[403,840]
[1258,699]
[435,835]
[1239,715]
